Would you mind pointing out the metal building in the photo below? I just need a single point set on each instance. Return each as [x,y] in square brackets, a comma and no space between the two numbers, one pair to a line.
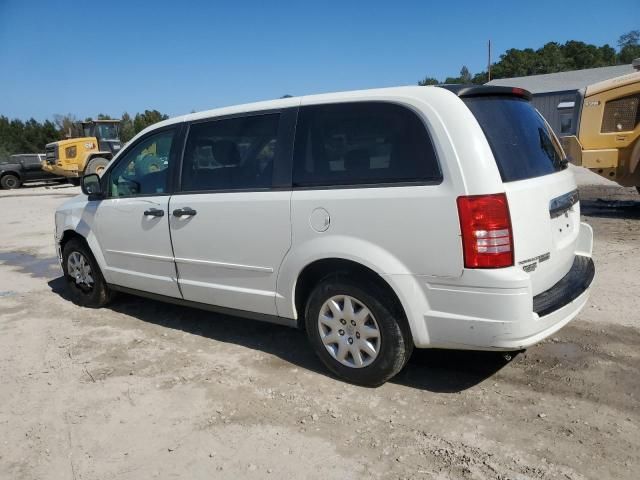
[555,94]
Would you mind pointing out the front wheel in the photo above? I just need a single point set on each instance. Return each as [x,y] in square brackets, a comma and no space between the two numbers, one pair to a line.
[9,182]
[85,282]
[357,330]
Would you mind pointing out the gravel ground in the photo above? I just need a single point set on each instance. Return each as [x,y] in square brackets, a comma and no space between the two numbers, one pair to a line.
[147,390]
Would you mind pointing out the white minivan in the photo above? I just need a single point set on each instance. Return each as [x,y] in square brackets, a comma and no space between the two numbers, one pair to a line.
[377,220]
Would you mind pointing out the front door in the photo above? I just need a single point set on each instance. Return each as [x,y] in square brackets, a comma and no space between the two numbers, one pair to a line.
[230,227]
[133,222]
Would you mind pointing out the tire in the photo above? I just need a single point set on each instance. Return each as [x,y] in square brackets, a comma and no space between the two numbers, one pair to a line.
[10,181]
[87,291]
[96,165]
[75,181]
[392,348]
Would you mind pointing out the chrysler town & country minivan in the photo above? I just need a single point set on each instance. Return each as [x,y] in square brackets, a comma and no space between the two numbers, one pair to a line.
[378,221]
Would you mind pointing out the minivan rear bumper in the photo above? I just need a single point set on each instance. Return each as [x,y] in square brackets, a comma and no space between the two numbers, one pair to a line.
[553,309]
[570,287]
[499,312]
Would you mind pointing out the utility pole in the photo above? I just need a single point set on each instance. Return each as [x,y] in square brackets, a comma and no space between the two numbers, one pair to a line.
[489,63]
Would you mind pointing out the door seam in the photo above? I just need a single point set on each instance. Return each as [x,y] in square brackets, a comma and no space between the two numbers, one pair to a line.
[173,253]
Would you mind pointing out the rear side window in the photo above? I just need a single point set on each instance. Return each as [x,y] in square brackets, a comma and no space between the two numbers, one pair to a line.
[31,160]
[231,154]
[522,143]
[362,143]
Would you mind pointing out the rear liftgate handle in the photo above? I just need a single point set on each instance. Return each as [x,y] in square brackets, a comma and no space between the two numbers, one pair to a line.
[184,212]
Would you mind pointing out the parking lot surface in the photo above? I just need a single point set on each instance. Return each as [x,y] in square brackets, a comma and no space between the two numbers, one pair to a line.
[144,389]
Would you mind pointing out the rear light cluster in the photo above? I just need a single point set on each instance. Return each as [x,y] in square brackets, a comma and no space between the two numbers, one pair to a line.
[487,238]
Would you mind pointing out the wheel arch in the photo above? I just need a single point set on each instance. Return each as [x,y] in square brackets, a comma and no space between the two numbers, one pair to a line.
[68,235]
[91,243]
[317,270]
[16,173]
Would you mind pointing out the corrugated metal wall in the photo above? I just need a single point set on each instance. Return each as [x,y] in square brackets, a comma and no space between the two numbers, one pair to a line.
[547,104]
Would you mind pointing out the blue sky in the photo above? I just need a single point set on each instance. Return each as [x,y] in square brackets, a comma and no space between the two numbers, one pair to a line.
[110,56]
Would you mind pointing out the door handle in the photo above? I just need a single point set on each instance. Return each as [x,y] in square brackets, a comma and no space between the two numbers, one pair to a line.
[184,212]
[154,212]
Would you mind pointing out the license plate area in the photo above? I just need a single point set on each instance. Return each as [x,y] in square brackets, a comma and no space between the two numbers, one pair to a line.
[564,218]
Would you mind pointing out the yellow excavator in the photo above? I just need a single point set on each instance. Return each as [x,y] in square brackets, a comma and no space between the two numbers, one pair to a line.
[90,153]
[607,141]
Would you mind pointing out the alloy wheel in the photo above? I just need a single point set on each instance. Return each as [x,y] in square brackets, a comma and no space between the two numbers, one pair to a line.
[79,269]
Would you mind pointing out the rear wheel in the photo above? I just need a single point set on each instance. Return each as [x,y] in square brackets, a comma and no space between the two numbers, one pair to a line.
[84,279]
[10,181]
[96,165]
[357,330]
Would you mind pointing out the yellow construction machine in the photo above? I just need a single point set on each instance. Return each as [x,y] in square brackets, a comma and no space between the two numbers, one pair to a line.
[607,141]
[89,153]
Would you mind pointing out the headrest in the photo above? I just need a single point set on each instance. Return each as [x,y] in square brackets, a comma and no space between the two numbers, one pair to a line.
[203,143]
[225,152]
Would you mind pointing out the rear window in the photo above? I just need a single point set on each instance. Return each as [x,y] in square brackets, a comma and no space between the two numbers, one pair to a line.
[521,141]
[362,143]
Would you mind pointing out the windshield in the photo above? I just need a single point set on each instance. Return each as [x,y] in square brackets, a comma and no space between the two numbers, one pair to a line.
[107,131]
[522,142]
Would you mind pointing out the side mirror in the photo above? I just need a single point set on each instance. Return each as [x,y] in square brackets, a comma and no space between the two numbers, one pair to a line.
[90,185]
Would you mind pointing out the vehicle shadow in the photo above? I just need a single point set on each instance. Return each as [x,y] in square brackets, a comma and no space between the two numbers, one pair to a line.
[623,209]
[440,371]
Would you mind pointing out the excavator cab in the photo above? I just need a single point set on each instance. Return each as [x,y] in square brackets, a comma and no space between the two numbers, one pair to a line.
[106,132]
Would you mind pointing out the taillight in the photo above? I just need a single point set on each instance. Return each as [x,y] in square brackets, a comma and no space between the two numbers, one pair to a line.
[485,223]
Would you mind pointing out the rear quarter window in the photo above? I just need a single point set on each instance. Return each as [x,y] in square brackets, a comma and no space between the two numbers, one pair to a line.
[522,143]
[363,143]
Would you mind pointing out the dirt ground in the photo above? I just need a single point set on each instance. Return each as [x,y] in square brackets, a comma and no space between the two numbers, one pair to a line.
[147,390]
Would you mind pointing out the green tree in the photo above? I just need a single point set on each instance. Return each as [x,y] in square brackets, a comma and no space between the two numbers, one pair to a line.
[31,136]
[480,78]
[629,44]
[608,54]
[629,53]
[581,55]
[428,81]
[127,130]
[629,39]
[67,125]
[149,117]
[550,58]
[465,75]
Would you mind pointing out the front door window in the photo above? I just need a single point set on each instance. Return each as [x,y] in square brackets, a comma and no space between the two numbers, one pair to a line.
[144,169]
